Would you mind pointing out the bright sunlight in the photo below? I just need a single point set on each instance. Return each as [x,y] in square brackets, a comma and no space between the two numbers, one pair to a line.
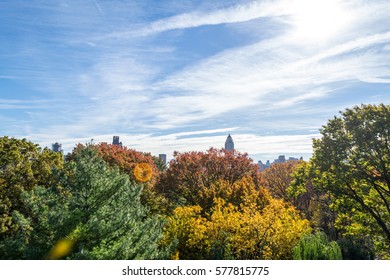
[319,20]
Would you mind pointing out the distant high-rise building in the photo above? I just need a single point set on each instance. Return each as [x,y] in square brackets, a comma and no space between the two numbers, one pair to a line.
[263,166]
[280,159]
[56,147]
[115,141]
[229,144]
[292,159]
[163,158]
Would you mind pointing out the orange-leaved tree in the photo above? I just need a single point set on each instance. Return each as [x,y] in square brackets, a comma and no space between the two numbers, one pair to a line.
[140,167]
[193,177]
[278,177]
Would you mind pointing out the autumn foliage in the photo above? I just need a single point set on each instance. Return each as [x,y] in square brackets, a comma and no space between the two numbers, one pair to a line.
[227,231]
[23,165]
[278,178]
[139,167]
[111,202]
[124,158]
[223,211]
[194,178]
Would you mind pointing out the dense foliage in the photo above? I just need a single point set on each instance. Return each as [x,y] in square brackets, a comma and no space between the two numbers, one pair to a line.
[278,178]
[109,202]
[350,169]
[94,210]
[129,160]
[23,165]
[316,247]
[192,177]
[231,232]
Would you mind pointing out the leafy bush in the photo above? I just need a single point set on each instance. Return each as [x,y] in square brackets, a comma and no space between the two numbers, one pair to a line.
[316,247]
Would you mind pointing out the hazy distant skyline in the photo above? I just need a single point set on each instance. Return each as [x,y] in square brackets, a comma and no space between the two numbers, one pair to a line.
[181,75]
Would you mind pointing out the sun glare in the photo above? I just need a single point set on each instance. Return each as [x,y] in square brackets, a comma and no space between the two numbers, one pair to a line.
[318,20]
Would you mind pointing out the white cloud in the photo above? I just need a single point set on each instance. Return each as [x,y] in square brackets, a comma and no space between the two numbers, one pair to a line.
[25,104]
[244,143]
[8,77]
[127,85]
[264,72]
[276,73]
[175,136]
[234,14]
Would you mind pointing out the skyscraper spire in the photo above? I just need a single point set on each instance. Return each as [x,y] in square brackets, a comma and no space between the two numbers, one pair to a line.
[229,144]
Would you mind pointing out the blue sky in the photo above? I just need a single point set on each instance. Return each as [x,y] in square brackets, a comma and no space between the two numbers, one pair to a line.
[181,75]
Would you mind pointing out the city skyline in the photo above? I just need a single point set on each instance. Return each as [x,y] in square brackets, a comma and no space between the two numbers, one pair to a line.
[229,146]
[168,76]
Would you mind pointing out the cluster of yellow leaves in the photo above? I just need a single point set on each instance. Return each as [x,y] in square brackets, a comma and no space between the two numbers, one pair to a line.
[242,192]
[240,232]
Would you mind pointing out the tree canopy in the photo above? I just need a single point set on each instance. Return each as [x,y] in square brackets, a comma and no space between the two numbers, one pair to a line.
[110,202]
[94,212]
[351,163]
[128,161]
[316,247]
[23,166]
[277,178]
[192,176]
[236,232]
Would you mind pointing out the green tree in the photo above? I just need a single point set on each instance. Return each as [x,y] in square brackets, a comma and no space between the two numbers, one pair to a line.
[316,247]
[352,162]
[94,210]
[160,164]
[314,203]
[126,160]
[356,248]
[23,166]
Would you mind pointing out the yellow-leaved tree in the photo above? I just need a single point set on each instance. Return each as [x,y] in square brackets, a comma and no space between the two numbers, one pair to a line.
[256,228]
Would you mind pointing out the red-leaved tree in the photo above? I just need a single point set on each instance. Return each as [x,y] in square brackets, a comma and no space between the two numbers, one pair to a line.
[191,175]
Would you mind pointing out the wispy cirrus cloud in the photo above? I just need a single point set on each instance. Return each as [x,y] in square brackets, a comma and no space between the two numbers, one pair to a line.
[19,104]
[116,68]
[282,78]
[235,14]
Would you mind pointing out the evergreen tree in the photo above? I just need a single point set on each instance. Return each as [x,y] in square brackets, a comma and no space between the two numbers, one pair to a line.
[93,213]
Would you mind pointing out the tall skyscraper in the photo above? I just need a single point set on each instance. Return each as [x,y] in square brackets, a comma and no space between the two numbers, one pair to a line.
[229,144]
[115,141]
